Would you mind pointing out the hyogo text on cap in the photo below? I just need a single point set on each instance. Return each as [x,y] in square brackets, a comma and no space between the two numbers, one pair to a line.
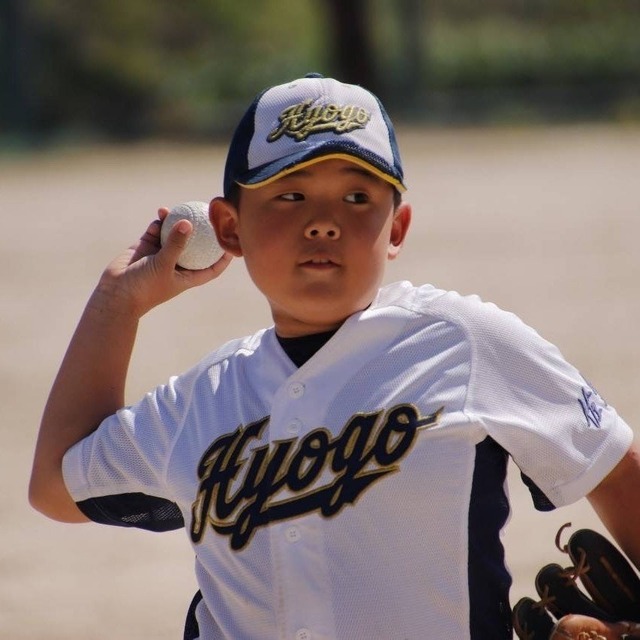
[314,118]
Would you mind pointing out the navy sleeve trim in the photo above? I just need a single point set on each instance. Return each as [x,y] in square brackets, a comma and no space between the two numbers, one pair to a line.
[540,500]
[134,510]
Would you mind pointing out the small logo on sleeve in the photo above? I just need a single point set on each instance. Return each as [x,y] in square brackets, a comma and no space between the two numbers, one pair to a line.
[592,406]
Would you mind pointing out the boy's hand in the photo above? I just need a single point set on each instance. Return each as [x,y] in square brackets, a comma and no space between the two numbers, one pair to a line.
[146,274]
[139,279]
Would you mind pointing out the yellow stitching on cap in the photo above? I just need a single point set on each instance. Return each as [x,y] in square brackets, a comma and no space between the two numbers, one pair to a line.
[332,156]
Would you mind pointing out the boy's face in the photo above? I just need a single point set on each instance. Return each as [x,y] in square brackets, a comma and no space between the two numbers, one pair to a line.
[315,242]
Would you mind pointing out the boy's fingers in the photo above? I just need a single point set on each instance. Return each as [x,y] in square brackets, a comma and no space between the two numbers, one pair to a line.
[166,254]
[176,241]
[149,242]
[190,278]
[220,265]
[152,234]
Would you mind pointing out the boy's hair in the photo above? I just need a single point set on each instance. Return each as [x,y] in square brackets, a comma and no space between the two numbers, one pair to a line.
[310,119]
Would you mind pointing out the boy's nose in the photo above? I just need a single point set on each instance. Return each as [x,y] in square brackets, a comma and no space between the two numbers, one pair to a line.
[317,229]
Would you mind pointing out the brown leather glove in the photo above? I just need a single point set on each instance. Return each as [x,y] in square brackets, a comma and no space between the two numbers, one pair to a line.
[596,598]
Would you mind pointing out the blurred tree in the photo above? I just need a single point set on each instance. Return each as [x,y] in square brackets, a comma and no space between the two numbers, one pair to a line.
[413,73]
[16,108]
[353,52]
[160,67]
[156,66]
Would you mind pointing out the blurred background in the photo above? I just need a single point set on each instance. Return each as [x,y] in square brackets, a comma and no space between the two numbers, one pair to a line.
[519,125]
[72,69]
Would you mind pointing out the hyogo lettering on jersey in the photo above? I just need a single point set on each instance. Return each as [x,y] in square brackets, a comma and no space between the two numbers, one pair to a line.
[299,121]
[238,488]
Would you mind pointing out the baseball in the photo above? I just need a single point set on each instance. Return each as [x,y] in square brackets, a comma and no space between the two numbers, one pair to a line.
[202,248]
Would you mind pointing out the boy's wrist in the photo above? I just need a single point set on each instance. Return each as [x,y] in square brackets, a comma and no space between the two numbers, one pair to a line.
[109,303]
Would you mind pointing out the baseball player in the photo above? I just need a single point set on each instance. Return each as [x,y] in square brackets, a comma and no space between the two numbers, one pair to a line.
[340,474]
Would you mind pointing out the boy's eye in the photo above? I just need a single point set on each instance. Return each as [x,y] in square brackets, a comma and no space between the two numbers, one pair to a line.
[357,198]
[292,197]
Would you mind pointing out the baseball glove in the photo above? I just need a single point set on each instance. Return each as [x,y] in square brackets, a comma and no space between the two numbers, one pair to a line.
[596,598]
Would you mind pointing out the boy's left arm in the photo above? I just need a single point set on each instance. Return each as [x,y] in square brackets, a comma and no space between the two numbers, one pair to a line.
[616,500]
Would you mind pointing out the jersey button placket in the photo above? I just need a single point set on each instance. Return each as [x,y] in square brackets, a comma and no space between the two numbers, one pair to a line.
[296,390]
[292,534]
[301,547]
[295,426]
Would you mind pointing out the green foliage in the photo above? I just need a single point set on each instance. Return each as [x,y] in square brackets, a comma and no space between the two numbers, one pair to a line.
[513,59]
[510,52]
[146,65]
[127,68]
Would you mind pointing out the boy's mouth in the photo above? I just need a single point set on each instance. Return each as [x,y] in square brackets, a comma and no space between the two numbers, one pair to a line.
[319,262]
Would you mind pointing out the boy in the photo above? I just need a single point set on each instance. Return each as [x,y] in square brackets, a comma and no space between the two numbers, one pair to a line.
[341,474]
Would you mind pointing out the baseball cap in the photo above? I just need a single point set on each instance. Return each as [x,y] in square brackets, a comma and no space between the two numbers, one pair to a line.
[293,125]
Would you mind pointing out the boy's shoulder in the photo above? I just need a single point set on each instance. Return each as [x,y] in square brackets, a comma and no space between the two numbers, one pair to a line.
[428,299]
[240,347]
[469,312]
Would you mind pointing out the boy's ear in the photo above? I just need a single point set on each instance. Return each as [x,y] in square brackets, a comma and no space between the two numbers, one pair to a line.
[399,229]
[224,219]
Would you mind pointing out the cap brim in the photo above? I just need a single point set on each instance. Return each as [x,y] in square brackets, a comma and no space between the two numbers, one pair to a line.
[272,171]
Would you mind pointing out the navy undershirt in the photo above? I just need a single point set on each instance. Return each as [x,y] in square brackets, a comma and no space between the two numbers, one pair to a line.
[301,349]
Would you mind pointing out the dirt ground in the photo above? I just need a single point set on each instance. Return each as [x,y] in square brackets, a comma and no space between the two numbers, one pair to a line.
[544,222]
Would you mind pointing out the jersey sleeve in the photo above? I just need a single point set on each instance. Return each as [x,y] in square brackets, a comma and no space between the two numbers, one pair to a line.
[557,428]
[137,510]
[117,475]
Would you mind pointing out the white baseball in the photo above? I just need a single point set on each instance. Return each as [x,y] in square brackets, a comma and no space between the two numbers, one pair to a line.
[202,248]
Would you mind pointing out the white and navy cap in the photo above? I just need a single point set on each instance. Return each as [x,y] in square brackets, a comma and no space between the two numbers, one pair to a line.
[302,122]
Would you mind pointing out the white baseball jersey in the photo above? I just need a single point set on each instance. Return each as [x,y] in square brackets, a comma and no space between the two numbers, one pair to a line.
[362,494]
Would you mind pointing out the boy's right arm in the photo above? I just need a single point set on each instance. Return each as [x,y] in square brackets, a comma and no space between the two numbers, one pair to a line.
[90,384]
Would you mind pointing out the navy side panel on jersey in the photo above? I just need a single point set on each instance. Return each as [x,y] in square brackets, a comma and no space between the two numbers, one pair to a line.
[540,500]
[134,510]
[489,581]
[191,627]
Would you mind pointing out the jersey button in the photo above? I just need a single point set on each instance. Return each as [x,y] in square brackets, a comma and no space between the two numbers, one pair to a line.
[294,426]
[303,634]
[296,390]
[293,534]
